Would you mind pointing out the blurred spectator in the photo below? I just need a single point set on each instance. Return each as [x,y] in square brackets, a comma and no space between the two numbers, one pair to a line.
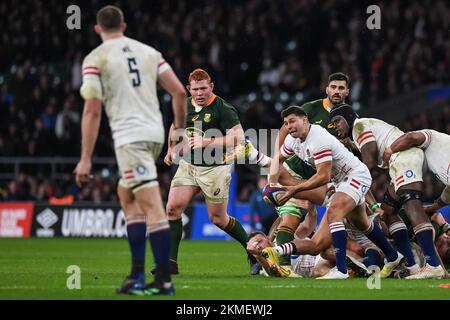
[257,51]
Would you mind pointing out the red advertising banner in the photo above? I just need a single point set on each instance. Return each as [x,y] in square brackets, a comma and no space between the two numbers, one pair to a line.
[15,219]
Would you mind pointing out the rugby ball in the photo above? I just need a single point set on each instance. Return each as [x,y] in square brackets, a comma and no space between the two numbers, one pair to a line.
[271,193]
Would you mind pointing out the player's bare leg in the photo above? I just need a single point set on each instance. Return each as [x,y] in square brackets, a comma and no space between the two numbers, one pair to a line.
[178,200]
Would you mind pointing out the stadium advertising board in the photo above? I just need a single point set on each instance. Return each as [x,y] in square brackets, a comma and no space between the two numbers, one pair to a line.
[15,219]
[79,221]
[85,221]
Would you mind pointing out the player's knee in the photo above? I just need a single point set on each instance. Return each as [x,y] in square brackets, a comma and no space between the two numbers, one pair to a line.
[127,204]
[289,221]
[315,251]
[335,212]
[174,212]
[391,202]
[406,196]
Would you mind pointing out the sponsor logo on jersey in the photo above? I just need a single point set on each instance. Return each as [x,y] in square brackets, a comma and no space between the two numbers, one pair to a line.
[318,122]
[193,132]
[409,173]
[195,117]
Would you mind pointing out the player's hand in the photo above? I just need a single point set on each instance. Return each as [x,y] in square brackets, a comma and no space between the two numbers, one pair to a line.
[168,159]
[83,172]
[348,143]
[196,142]
[330,191]
[386,157]
[430,210]
[308,206]
[380,212]
[254,248]
[290,192]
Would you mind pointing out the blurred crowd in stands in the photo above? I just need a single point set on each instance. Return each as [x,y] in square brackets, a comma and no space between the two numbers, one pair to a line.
[253,49]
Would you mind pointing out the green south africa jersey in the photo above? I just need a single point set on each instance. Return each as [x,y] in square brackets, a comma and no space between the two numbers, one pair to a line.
[213,119]
[318,113]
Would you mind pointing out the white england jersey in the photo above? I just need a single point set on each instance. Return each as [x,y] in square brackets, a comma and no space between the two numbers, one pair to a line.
[319,147]
[123,73]
[437,152]
[366,130]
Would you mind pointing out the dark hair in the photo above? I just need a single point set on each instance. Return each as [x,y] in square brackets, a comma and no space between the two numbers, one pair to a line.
[110,18]
[345,111]
[338,76]
[251,235]
[298,111]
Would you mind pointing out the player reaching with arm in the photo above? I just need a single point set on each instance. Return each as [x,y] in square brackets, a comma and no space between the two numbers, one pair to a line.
[122,73]
[436,146]
[351,178]
[294,169]
[372,137]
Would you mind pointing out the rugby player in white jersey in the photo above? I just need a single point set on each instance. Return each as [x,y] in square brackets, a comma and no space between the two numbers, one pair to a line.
[123,73]
[333,162]
[372,137]
[436,147]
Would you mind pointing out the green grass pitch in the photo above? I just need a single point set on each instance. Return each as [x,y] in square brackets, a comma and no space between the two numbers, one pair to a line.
[36,269]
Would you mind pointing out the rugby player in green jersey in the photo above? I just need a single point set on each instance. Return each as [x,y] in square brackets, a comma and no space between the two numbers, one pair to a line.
[212,127]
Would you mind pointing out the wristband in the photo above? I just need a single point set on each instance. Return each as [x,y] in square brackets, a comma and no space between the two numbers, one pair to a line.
[444,228]
[374,206]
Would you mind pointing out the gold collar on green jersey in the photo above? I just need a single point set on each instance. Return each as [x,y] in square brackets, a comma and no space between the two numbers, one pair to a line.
[326,104]
[208,103]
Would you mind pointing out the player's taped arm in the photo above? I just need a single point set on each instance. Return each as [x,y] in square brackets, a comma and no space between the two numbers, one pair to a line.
[90,125]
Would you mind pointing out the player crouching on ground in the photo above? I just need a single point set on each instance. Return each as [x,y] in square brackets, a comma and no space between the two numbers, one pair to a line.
[351,177]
